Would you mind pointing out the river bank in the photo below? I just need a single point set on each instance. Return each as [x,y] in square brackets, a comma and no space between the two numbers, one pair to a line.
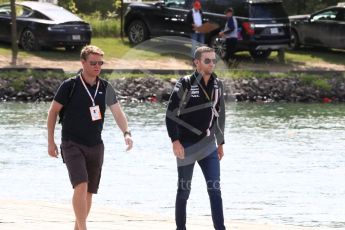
[256,87]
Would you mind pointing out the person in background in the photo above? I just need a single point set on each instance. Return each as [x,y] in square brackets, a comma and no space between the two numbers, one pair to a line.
[195,18]
[230,34]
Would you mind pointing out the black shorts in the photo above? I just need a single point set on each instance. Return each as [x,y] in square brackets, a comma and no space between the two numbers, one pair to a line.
[84,164]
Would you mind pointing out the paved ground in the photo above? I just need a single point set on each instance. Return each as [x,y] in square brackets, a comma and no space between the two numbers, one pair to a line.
[170,63]
[37,215]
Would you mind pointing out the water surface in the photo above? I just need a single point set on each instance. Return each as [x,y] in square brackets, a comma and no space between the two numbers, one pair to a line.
[284,163]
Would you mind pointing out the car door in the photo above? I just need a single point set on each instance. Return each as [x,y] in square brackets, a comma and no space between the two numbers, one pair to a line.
[319,27]
[336,38]
[175,17]
[5,23]
[157,19]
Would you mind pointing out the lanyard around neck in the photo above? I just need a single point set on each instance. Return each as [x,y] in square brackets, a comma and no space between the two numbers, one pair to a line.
[88,92]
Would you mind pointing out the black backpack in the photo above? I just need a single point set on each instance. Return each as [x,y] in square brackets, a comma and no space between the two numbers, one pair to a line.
[71,91]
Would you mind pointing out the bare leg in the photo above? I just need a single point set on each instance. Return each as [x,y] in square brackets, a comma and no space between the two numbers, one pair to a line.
[80,205]
[89,202]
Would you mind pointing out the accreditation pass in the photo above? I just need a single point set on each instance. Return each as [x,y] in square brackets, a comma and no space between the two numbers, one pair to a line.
[95,113]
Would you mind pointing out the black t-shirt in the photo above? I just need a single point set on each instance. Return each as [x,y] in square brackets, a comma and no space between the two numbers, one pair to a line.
[77,124]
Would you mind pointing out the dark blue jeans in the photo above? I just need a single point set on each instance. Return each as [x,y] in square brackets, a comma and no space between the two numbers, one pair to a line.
[211,170]
[198,39]
[230,48]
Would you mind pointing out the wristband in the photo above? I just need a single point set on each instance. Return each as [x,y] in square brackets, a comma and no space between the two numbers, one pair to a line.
[127,133]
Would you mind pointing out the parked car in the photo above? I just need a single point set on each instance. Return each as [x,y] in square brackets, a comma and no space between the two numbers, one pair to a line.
[263,24]
[44,24]
[325,28]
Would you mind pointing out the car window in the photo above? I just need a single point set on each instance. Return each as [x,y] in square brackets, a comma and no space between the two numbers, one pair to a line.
[38,15]
[240,8]
[58,14]
[175,3]
[5,10]
[340,16]
[23,11]
[325,15]
[187,4]
[267,10]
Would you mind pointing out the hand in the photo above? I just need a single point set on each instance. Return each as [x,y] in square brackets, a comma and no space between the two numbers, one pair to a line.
[195,28]
[129,142]
[53,150]
[178,149]
[221,34]
[220,152]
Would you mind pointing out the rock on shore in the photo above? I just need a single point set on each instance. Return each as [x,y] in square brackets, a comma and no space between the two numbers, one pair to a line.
[289,89]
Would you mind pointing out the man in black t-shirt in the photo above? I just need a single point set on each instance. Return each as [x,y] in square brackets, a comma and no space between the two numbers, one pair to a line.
[83,100]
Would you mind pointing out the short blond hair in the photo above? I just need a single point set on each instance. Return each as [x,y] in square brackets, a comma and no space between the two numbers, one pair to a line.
[90,49]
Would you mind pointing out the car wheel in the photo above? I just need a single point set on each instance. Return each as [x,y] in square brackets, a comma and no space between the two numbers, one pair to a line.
[219,46]
[137,32]
[295,44]
[260,54]
[28,41]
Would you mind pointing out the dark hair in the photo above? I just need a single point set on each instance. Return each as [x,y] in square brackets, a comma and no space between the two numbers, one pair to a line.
[229,10]
[200,50]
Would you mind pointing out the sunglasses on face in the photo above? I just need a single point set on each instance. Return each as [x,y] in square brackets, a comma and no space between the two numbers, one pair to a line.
[93,63]
[208,61]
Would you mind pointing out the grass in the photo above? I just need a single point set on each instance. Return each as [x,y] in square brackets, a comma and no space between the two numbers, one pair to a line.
[23,75]
[18,78]
[104,28]
[241,74]
[113,47]
[116,48]
[317,81]
[316,55]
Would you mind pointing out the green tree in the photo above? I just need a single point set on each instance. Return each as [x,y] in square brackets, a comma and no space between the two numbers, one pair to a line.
[69,5]
[307,6]
[90,6]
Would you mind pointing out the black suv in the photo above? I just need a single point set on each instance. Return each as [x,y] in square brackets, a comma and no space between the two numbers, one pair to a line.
[263,24]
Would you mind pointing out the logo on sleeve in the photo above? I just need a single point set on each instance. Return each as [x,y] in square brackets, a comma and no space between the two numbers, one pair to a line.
[177,86]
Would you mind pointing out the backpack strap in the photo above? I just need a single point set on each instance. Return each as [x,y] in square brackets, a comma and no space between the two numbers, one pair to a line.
[215,113]
[104,83]
[70,94]
[183,101]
